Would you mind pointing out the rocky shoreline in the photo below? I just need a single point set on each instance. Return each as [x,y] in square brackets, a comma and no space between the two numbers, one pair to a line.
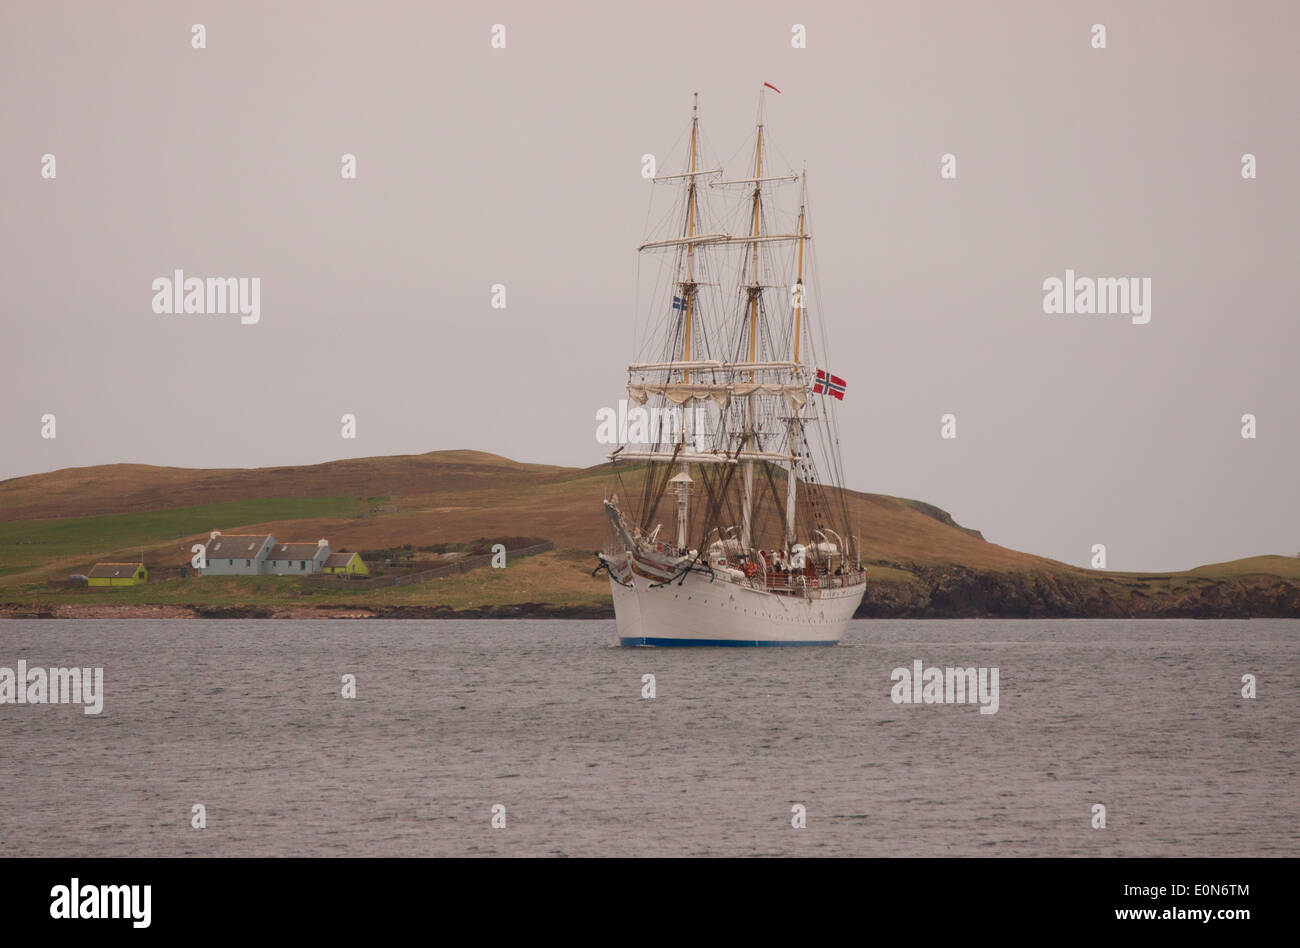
[950,592]
[957,592]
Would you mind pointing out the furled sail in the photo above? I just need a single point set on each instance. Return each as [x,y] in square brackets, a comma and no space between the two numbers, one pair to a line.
[679,393]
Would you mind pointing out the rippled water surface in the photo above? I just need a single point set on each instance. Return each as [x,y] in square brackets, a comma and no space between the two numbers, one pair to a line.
[547,719]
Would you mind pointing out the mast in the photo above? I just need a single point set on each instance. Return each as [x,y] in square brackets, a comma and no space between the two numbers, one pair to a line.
[688,285]
[754,289]
[792,479]
[798,297]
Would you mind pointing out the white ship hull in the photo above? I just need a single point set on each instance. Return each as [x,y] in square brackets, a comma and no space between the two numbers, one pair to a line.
[698,611]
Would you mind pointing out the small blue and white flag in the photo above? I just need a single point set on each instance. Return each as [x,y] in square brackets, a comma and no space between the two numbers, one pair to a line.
[679,303]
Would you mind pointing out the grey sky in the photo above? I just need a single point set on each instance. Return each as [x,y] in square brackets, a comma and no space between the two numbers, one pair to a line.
[522,166]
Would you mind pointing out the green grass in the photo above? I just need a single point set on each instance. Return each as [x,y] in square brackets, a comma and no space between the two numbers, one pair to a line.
[556,577]
[888,574]
[1288,566]
[32,544]
[196,591]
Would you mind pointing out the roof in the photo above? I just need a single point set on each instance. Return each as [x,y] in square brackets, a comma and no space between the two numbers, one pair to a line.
[339,559]
[236,544]
[294,550]
[114,570]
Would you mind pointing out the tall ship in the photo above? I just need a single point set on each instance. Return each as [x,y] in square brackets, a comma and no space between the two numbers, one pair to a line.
[726,522]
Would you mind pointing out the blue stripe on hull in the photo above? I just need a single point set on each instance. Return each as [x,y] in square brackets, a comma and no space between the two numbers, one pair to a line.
[745,643]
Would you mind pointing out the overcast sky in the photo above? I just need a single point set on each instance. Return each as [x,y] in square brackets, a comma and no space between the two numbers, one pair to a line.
[522,165]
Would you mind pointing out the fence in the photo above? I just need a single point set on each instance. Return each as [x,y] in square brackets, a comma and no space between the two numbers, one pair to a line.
[156,574]
[456,566]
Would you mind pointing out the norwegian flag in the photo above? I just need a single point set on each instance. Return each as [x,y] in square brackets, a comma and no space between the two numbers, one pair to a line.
[828,384]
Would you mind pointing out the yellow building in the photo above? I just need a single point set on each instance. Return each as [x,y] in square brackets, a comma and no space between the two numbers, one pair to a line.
[346,563]
[118,574]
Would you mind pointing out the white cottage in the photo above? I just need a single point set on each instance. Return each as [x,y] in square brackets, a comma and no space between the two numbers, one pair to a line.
[236,554]
[295,558]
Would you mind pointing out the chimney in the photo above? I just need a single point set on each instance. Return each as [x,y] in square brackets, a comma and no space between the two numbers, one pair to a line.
[320,543]
[214,534]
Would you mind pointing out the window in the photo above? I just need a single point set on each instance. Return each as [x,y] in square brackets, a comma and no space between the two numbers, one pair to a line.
[231,562]
[248,562]
[302,564]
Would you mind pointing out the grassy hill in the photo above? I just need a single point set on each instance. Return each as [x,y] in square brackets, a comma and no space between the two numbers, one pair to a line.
[922,562]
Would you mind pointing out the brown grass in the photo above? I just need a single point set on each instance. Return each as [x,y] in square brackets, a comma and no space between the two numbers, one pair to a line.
[457,496]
